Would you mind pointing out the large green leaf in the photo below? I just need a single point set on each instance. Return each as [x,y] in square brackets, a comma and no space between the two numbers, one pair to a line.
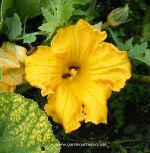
[5,6]
[24,128]
[28,8]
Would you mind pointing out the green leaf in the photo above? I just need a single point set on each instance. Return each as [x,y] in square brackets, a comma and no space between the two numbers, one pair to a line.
[49,17]
[49,27]
[28,8]
[140,52]
[5,6]
[82,2]
[57,13]
[123,150]
[52,21]
[79,12]
[14,26]
[147,56]
[0,73]
[146,32]
[119,44]
[24,128]
[64,10]
[128,43]
[29,38]
[130,129]
[122,46]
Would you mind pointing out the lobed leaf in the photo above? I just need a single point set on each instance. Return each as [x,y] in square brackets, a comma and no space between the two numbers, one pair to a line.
[119,44]
[139,52]
[24,128]
[65,10]
[49,17]
[14,26]
[57,13]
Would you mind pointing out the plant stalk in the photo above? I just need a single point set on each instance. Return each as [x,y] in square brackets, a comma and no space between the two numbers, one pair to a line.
[105,25]
[92,7]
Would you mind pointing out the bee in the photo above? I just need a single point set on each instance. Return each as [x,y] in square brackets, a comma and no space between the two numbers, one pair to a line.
[74,67]
[66,75]
[33,50]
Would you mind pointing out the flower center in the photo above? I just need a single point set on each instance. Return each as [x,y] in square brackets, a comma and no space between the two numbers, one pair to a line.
[70,72]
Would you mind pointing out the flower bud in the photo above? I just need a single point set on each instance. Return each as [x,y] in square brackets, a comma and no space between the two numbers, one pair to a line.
[118,16]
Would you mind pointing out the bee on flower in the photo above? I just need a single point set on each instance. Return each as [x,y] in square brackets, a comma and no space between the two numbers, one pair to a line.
[78,72]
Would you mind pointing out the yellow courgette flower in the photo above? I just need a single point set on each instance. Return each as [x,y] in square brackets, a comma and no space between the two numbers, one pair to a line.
[12,63]
[78,73]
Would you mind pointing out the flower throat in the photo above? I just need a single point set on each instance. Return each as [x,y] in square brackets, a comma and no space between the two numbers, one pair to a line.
[70,72]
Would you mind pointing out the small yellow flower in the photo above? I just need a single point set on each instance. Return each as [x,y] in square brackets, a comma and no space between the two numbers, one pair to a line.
[12,63]
[78,73]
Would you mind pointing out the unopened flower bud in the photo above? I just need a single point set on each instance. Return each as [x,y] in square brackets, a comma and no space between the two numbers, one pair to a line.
[118,16]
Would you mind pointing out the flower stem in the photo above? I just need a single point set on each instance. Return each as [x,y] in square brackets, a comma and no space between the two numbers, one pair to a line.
[40,33]
[141,78]
[105,25]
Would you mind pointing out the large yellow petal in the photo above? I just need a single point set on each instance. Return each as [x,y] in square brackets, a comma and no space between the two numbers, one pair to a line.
[108,65]
[65,107]
[44,70]
[76,41]
[74,102]
[94,99]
